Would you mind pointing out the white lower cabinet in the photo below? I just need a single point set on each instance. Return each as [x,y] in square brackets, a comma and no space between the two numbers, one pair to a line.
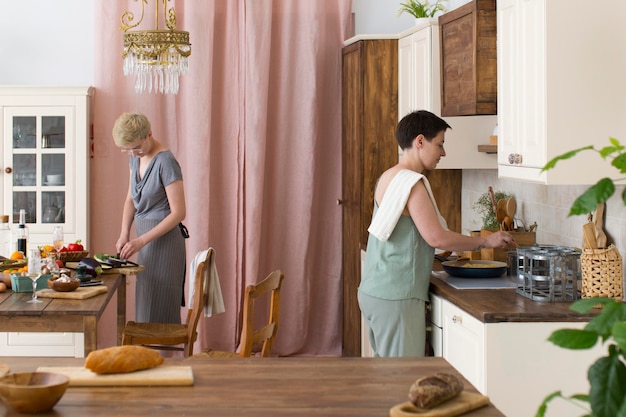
[463,344]
[42,344]
[513,363]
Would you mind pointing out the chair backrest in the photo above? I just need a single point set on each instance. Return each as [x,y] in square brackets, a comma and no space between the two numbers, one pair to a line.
[199,298]
[250,336]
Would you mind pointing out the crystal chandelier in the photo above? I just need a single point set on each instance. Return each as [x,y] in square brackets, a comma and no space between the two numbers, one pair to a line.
[156,57]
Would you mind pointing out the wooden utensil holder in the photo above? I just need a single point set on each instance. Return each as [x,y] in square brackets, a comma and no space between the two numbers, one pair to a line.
[499,254]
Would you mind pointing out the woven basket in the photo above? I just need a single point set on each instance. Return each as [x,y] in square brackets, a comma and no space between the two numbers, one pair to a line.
[73,256]
[601,273]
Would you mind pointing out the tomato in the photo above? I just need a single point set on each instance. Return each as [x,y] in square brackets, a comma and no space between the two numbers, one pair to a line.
[60,263]
[63,249]
[75,247]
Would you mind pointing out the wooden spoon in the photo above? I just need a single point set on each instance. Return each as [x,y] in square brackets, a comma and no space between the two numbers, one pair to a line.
[511,207]
[501,211]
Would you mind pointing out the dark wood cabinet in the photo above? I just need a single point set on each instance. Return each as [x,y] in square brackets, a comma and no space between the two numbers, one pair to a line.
[469,81]
[369,147]
[370,116]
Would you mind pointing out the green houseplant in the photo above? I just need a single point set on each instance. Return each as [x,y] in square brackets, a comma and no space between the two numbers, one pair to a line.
[484,207]
[421,8]
[607,376]
[615,153]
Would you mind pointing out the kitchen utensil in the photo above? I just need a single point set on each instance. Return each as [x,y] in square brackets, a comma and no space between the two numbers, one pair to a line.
[589,235]
[4,369]
[474,268]
[511,207]
[598,220]
[492,197]
[32,392]
[159,376]
[80,293]
[461,404]
[501,210]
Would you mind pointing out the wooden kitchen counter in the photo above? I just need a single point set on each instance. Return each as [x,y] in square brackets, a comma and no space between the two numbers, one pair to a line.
[505,305]
[258,386]
[63,315]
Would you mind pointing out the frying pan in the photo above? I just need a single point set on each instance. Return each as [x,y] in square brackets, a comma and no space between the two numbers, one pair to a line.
[492,269]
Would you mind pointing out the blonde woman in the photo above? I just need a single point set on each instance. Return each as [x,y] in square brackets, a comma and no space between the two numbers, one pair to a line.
[155,203]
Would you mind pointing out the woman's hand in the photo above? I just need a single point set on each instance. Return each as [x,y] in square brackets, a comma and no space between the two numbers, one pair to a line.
[499,240]
[130,248]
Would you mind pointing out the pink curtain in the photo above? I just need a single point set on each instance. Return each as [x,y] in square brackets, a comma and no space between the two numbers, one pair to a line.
[256,127]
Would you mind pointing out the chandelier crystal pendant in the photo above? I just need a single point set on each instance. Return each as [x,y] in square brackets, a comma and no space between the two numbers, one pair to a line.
[156,57]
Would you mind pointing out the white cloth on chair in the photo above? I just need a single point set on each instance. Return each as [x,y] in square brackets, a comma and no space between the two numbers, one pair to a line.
[394,201]
[214,303]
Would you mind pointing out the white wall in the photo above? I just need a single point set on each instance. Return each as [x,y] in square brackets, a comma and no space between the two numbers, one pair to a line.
[380,16]
[47,42]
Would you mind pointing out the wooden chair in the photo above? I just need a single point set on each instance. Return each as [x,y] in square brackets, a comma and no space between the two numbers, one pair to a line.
[251,337]
[170,336]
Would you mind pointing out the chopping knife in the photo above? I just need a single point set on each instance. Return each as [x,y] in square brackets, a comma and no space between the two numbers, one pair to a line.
[125,262]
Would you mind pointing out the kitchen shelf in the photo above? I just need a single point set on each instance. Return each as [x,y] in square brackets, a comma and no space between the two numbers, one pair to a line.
[488,148]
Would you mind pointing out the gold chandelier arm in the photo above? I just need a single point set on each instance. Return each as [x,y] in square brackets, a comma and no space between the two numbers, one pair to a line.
[170,20]
[128,17]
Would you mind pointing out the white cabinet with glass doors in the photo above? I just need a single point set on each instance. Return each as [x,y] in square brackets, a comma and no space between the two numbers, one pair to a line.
[45,156]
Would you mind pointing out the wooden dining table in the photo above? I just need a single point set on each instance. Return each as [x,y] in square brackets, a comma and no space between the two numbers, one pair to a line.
[63,315]
[276,387]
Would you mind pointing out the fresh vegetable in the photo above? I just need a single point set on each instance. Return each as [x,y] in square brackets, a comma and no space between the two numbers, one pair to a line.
[106,259]
[75,247]
[92,266]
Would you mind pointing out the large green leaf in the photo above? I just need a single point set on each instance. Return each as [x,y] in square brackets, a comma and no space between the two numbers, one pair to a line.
[607,377]
[574,338]
[552,163]
[589,200]
[586,305]
[619,162]
[619,334]
[602,324]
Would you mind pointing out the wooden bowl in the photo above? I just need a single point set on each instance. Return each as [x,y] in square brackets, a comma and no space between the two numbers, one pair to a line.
[63,286]
[32,392]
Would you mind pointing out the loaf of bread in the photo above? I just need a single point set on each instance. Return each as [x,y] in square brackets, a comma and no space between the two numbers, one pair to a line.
[432,390]
[122,359]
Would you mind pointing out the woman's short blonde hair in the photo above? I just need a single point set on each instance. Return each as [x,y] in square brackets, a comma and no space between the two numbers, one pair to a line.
[130,127]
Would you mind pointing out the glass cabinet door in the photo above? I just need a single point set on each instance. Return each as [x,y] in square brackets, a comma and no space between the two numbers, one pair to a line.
[39,163]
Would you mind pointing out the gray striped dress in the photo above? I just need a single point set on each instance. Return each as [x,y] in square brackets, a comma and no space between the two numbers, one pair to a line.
[160,286]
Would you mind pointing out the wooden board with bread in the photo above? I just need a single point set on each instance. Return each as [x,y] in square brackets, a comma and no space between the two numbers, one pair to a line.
[438,395]
[125,366]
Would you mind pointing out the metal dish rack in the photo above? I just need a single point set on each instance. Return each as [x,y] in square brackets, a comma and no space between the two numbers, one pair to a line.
[550,274]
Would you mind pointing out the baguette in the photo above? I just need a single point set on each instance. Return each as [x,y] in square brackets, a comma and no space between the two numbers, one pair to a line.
[122,359]
[433,390]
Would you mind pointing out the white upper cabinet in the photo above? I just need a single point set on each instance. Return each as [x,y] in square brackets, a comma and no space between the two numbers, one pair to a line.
[46,133]
[419,88]
[561,86]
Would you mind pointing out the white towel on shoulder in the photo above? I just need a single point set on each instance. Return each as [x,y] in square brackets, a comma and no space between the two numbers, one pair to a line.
[214,303]
[394,201]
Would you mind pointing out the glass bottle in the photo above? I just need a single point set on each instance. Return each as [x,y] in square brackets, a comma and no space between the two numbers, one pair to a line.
[22,233]
[5,236]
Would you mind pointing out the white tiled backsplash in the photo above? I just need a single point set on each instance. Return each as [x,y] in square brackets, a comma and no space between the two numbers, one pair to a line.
[548,205]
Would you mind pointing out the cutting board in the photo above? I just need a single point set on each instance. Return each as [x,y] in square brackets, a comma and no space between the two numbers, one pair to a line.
[159,376]
[461,404]
[79,293]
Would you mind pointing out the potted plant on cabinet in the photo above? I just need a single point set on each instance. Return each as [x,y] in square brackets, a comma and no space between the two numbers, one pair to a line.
[607,375]
[421,8]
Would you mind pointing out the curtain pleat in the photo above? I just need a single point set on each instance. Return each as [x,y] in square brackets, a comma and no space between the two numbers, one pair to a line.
[256,127]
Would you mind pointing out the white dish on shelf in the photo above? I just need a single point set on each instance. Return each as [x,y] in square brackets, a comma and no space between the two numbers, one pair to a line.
[52,183]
